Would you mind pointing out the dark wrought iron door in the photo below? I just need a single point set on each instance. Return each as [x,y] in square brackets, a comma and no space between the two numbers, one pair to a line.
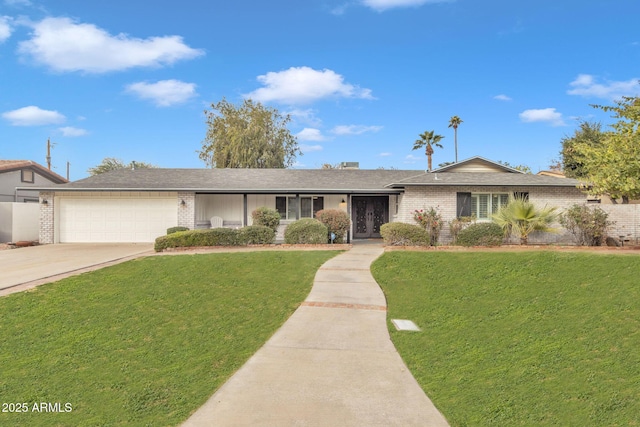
[369,213]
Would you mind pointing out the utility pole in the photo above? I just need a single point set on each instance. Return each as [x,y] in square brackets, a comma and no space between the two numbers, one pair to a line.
[49,153]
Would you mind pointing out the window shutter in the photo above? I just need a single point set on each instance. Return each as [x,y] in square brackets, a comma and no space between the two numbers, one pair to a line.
[463,205]
[318,205]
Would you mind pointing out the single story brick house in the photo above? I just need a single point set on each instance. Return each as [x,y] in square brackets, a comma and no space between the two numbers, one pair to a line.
[139,205]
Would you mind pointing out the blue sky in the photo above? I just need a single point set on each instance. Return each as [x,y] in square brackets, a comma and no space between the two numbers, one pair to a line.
[360,78]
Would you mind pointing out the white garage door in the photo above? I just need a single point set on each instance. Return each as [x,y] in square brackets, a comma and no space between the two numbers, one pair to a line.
[115,220]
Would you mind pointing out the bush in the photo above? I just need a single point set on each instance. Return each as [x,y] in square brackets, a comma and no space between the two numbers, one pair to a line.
[588,225]
[481,234]
[306,231]
[257,235]
[266,217]
[337,221]
[402,234]
[191,238]
[430,220]
[176,229]
[458,224]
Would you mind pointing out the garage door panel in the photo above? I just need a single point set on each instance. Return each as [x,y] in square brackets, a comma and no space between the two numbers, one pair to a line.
[115,219]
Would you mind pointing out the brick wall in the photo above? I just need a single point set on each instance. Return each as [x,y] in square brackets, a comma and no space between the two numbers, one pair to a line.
[444,199]
[627,221]
[47,224]
[187,212]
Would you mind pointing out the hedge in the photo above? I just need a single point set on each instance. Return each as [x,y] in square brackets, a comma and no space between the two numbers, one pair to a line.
[481,234]
[402,234]
[306,231]
[172,230]
[257,235]
[206,237]
[267,217]
[337,221]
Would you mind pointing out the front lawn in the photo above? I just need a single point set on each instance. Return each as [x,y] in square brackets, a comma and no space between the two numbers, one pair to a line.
[525,338]
[145,342]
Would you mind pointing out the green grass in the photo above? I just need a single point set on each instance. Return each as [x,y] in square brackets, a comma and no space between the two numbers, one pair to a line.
[145,342]
[531,338]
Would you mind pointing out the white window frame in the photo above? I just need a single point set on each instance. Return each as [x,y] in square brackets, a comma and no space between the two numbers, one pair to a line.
[492,207]
[287,217]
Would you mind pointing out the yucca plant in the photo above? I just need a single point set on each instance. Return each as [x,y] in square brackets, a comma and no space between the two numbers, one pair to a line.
[522,217]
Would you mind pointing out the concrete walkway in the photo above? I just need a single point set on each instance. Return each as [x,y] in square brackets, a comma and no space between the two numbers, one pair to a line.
[331,364]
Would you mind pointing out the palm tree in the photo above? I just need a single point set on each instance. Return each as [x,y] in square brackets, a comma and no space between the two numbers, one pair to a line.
[454,122]
[428,140]
[521,217]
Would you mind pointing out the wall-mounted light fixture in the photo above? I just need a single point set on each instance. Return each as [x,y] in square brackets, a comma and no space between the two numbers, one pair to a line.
[182,202]
[45,202]
[343,203]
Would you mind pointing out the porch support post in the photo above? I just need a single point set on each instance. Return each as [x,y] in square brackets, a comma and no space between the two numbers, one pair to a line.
[350,230]
[244,210]
[297,206]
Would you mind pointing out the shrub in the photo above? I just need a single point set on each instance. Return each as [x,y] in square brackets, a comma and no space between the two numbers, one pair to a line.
[430,220]
[337,221]
[266,217]
[257,235]
[481,234]
[306,231]
[208,237]
[172,230]
[456,225]
[402,234]
[588,225]
[522,217]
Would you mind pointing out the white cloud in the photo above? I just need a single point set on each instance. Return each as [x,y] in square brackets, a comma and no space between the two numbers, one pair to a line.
[5,28]
[586,85]
[33,116]
[354,129]
[411,159]
[309,148]
[164,92]
[64,45]
[72,132]
[310,134]
[17,2]
[382,5]
[502,97]
[549,115]
[307,116]
[303,85]
[384,154]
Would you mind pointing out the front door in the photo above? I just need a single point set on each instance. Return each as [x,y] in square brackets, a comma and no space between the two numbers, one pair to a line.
[368,214]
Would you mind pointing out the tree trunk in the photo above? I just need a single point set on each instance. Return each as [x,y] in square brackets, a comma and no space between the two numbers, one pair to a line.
[455,137]
[429,151]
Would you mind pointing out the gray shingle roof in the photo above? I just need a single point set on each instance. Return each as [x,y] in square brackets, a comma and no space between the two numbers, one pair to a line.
[484,179]
[296,180]
[244,180]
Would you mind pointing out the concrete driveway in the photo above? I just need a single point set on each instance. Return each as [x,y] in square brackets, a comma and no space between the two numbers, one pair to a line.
[25,268]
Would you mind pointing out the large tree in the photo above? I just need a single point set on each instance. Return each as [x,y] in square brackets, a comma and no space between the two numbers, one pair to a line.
[612,166]
[249,135]
[454,122]
[111,163]
[428,140]
[572,153]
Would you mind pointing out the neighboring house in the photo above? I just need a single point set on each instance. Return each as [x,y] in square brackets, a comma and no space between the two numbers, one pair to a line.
[23,174]
[19,212]
[139,205]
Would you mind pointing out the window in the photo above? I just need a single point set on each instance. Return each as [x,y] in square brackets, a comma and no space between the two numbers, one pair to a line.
[480,205]
[288,206]
[27,176]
